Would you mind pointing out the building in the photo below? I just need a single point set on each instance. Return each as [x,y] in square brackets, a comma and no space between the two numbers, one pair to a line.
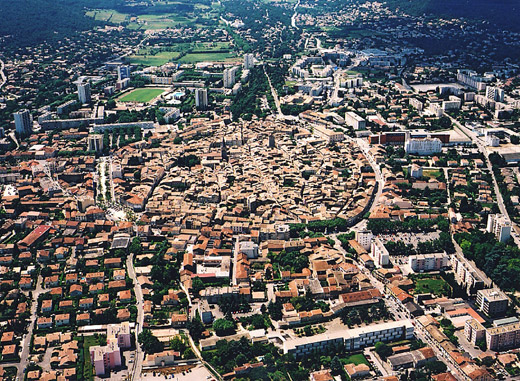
[499,226]
[467,275]
[95,143]
[428,262]
[471,79]
[201,99]
[249,248]
[328,134]
[23,122]
[353,339]
[121,333]
[364,238]
[427,146]
[229,77]
[495,93]
[249,61]
[379,253]
[492,301]
[415,171]
[104,358]
[84,95]
[123,72]
[474,331]
[355,121]
[503,337]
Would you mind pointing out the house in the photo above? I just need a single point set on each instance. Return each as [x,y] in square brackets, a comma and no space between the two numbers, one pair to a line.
[44,322]
[357,371]
[62,319]
[321,375]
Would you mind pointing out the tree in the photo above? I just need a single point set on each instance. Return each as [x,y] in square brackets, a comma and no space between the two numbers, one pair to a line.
[197,285]
[336,366]
[135,246]
[149,342]
[195,328]
[383,350]
[223,327]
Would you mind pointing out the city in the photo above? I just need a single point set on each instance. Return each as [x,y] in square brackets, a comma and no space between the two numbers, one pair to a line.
[259,190]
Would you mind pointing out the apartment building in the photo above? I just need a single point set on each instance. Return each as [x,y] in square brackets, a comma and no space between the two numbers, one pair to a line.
[379,253]
[492,302]
[353,339]
[499,226]
[428,262]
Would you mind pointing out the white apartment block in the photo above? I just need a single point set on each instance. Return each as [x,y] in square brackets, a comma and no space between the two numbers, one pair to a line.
[428,262]
[364,238]
[379,253]
[499,226]
[355,121]
[426,146]
[353,339]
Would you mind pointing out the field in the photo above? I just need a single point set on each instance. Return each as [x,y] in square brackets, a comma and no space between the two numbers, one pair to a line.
[153,60]
[436,286]
[432,173]
[141,95]
[355,359]
[183,53]
[201,57]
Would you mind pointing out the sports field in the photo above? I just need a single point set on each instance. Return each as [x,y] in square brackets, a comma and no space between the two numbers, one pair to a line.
[141,95]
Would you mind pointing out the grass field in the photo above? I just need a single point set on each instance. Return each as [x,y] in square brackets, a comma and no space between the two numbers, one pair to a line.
[434,286]
[356,359]
[432,173]
[194,53]
[141,95]
[201,57]
[153,60]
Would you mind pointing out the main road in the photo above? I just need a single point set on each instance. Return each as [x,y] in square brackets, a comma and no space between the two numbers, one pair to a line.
[139,354]
[3,78]
[26,342]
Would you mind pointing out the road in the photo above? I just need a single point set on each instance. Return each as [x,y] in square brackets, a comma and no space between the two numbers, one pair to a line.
[139,354]
[275,95]
[500,201]
[293,18]
[3,78]
[26,342]
[363,144]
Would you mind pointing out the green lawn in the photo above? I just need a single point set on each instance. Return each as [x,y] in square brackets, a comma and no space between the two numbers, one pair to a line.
[141,95]
[153,60]
[432,173]
[434,286]
[356,359]
[202,57]
[88,370]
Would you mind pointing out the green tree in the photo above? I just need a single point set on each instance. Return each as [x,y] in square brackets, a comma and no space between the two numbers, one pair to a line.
[149,342]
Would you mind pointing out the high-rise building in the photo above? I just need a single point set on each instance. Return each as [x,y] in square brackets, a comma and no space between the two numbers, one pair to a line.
[249,61]
[84,93]
[364,238]
[427,146]
[23,122]
[201,99]
[499,226]
[123,72]
[95,142]
[229,77]
[492,302]
[495,93]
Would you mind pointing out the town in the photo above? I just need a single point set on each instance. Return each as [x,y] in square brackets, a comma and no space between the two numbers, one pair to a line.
[278,190]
